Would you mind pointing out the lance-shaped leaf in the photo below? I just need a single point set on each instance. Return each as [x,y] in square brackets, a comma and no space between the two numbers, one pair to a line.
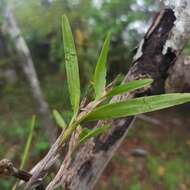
[137,106]
[84,132]
[59,119]
[100,71]
[28,143]
[87,133]
[130,86]
[71,63]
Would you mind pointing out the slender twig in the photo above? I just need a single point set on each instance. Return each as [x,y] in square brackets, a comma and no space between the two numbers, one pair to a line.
[7,169]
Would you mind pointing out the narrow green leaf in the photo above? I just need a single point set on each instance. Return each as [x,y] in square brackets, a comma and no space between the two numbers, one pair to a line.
[133,85]
[137,106]
[59,119]
[71,63]
[100,71]
[94,133]
[84,132]
[28,143]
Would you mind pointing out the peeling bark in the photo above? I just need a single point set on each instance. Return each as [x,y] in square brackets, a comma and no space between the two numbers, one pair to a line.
[181,30]
[154,56]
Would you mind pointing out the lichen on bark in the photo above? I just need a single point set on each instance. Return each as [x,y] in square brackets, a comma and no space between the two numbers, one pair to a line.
[181,28]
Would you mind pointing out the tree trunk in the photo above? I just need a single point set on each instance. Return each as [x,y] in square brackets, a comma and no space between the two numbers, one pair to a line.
[179,76]
[27,66]
[158,51]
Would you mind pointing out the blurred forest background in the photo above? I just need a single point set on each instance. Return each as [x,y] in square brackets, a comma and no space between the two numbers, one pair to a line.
[155,154]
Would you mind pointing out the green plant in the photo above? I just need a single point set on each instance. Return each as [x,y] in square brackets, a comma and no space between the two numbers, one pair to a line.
[135,187]
[171,173]
[26,152]
[95,110]
[28,143]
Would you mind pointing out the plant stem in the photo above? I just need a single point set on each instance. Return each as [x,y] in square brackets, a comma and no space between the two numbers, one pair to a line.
[75,121]
[67,133]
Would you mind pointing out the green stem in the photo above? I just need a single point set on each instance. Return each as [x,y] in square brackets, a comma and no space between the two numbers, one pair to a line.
[67,133]
[76,121]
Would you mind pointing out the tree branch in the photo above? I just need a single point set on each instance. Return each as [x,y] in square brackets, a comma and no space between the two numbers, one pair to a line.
[7,169]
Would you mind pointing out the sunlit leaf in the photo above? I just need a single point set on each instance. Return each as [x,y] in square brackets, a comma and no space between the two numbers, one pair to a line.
[130,86]
[100,71]
[93,133]
[28,143]
[59,119]
[71,63]
[137,106]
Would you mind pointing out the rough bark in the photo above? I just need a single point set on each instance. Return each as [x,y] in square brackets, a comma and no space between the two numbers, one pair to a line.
[179,76]
[156,53]
[27,66]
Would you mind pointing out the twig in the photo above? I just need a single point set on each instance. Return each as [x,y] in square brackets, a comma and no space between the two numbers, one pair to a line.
[7,169]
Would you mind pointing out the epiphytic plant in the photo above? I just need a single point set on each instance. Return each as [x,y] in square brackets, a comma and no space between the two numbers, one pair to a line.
[98,109]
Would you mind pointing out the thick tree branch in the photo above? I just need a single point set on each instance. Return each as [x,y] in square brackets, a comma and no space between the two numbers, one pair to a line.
[157,52]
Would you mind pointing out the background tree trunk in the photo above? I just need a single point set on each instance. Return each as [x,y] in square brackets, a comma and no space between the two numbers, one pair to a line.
[27,66]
